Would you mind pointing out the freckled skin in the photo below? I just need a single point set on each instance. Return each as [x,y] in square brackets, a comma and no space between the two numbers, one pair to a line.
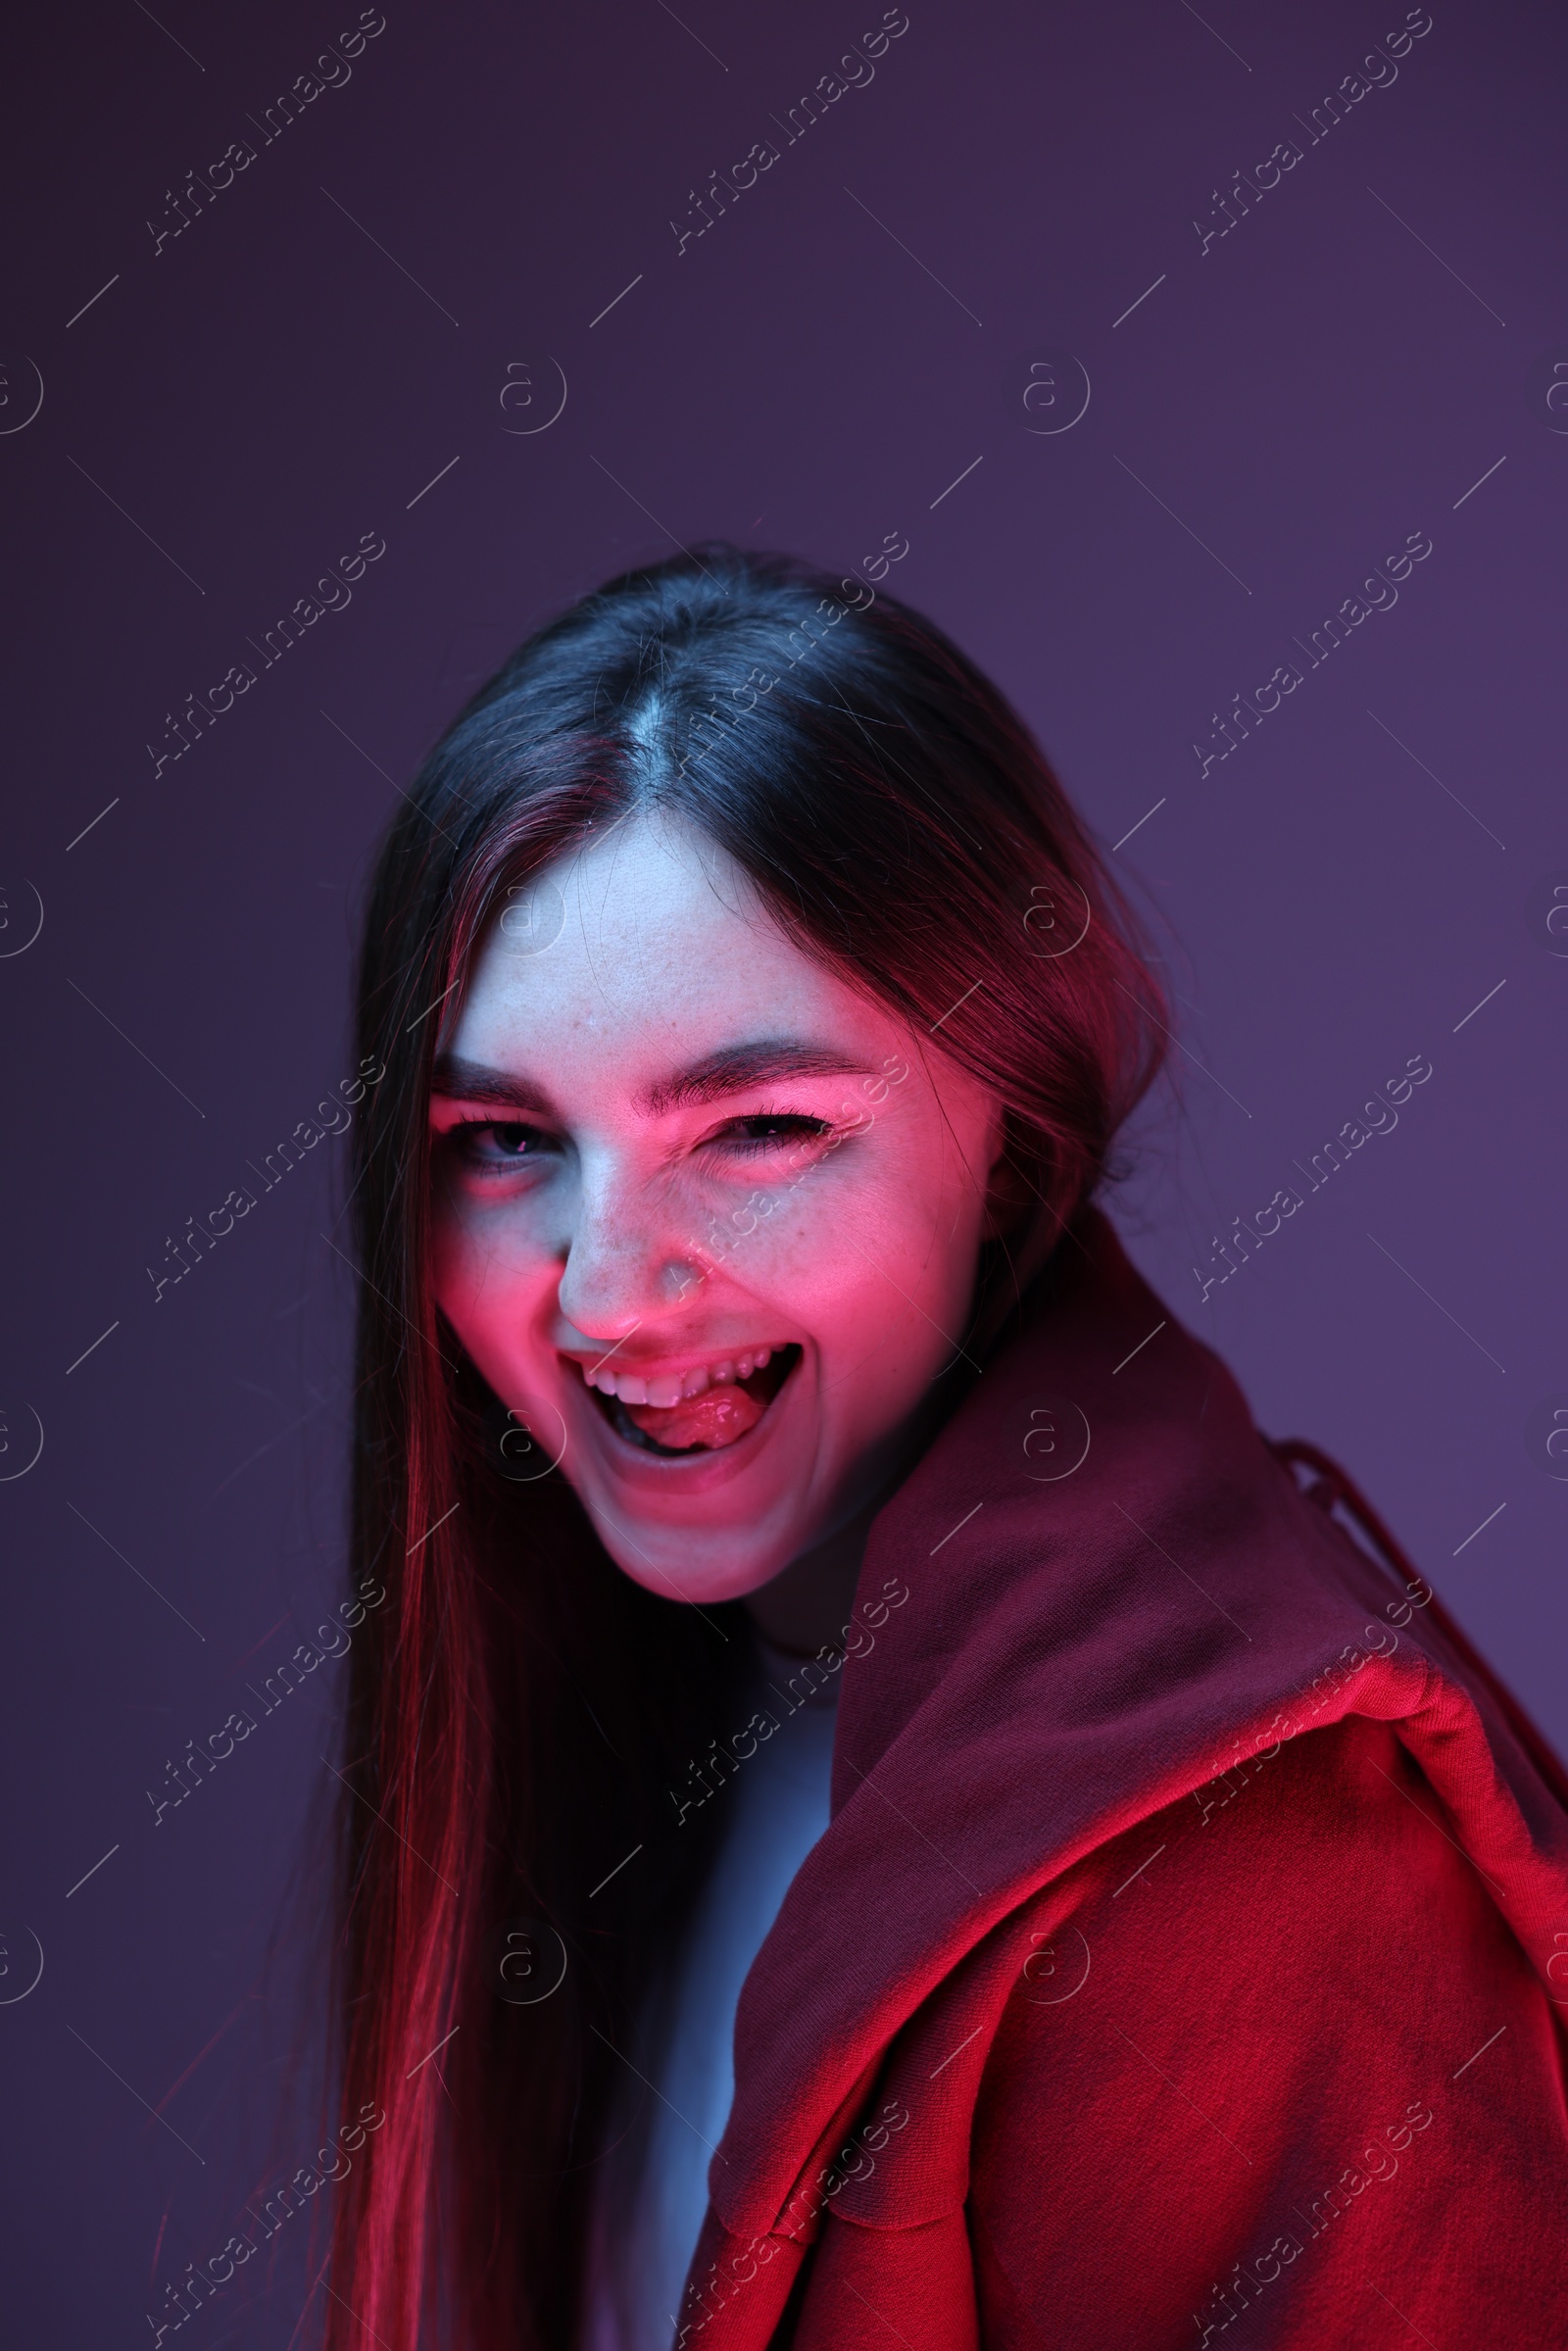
[842,1212]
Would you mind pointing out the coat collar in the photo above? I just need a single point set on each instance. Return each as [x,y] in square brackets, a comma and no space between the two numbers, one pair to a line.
[1110,1580]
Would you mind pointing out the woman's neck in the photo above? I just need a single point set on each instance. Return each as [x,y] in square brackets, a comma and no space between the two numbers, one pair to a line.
[807,1606]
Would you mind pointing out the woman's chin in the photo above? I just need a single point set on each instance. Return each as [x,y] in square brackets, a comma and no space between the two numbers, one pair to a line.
[680,1571]
[709,1523]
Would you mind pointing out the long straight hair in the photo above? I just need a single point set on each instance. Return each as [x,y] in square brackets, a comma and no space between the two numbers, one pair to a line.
[511,1863]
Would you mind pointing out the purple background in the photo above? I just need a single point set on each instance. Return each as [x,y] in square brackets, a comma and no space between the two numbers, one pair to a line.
[1337,897]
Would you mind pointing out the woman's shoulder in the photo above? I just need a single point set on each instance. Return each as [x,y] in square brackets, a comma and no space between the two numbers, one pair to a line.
[1290,2015]
[1272,2044]
[1127,1663]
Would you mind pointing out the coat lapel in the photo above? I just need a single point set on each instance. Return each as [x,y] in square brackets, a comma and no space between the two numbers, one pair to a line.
[1111,1583]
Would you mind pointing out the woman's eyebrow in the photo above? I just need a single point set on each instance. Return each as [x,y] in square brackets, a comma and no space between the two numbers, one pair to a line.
[759,1061]
[733,1069]
[474,1081]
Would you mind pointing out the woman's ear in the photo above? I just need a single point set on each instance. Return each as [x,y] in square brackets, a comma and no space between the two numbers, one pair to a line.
[1010,1195]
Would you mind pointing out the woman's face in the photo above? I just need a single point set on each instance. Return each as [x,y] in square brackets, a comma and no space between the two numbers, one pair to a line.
[705,1218]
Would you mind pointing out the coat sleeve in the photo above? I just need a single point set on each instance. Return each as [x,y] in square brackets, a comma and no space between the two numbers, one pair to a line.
[1284,2079]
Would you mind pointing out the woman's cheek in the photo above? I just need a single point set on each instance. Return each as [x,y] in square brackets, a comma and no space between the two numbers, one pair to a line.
[782,1254]
[449,1246]
[481,1252]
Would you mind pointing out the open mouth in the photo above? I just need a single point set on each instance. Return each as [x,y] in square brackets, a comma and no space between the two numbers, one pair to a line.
[725,1411]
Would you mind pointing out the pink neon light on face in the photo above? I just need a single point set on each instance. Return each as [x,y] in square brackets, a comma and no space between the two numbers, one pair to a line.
[814,1189]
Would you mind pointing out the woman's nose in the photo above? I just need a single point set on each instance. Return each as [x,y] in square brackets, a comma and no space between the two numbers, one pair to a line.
[627,1261]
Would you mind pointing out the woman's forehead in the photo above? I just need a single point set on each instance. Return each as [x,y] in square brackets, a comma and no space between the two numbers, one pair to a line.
[652,950]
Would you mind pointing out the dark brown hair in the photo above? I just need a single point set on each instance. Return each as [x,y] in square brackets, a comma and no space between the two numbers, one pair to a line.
[518,1706]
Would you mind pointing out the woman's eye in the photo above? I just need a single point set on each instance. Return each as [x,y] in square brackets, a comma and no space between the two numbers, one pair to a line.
[497,1143]
[771,1130]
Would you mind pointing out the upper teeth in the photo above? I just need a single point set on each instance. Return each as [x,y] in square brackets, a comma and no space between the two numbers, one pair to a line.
[673,1388]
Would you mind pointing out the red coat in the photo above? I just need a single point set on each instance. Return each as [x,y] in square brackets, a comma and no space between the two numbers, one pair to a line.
[1187,1959]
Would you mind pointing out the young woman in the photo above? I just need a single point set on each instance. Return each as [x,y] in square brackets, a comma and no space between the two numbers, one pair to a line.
[816,1563]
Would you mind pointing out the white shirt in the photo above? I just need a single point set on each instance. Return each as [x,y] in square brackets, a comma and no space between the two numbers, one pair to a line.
[649,2206]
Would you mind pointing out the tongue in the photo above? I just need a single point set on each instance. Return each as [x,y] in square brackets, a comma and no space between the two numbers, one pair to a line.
[716,1418]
